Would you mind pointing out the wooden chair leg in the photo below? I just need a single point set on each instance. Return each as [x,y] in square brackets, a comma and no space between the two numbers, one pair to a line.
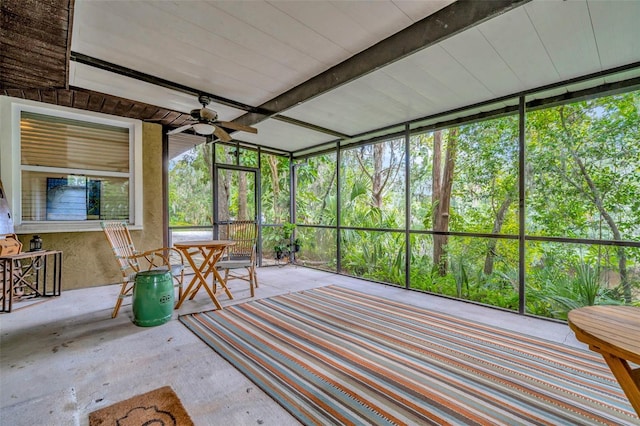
[252,282]
[123,292]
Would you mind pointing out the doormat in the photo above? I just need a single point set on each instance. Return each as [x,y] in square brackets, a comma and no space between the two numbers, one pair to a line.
[161,406]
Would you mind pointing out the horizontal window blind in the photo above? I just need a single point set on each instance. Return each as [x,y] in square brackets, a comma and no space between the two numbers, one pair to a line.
[60,142]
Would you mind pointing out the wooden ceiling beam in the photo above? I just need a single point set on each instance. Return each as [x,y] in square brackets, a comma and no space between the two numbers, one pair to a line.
[34,43]
[447,22]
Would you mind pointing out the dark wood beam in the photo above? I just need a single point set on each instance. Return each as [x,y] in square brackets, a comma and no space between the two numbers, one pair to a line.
[447,22]
[34,42]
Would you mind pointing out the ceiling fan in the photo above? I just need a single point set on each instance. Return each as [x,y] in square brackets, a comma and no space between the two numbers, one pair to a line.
[206,123]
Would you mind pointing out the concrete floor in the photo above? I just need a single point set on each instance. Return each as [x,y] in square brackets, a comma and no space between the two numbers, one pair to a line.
[65,357]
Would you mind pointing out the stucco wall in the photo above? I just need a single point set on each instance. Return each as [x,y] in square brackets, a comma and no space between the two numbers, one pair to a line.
[87,257]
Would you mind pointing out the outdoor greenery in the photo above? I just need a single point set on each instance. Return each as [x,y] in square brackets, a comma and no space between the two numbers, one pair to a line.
[582,197]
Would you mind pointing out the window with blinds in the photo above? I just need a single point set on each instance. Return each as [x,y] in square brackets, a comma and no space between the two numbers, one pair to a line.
[73,170]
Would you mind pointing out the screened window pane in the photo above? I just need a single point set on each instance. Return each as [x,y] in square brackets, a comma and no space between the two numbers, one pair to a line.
[65,143]
[484,270]
[372,185]
[190,194]
[316,190]
[466,178]
[421,169]
[226,154]
[562,276]
[377,256]
[583,174]
[317,247]
[275,188]
[249,157]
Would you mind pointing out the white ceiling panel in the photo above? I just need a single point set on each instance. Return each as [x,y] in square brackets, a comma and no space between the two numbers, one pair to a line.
[284,136]
[516,41]
[328,113]
[183,142]
[177,51]
[566,32]
[117,85]
[254,51]
[416,10]
[616,30]
[246,51]
[354,108]
[478,57]
[412,75]
[328,21]
[289,31]
[439,66]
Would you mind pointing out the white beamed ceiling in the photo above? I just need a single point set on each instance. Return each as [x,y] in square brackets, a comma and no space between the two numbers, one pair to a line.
[253,51]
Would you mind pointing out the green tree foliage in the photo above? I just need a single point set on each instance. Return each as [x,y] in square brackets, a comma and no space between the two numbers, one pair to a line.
[190,197]
[582,181]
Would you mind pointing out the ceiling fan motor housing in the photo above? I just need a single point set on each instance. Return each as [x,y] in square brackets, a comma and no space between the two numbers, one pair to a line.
[204,114]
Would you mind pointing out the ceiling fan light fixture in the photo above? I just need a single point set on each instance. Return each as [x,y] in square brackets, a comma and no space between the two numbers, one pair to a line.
[203,128]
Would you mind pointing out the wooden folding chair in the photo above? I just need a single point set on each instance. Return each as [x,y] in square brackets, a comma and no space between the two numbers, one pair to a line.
[242,255]
[131,261]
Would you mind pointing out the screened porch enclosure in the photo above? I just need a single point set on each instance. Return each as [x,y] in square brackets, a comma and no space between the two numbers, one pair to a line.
[530,205]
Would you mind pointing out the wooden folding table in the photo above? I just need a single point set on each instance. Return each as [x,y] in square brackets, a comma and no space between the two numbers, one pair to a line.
[614,332]
[211,251]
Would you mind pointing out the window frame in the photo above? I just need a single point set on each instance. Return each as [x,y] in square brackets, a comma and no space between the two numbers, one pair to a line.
[11,167]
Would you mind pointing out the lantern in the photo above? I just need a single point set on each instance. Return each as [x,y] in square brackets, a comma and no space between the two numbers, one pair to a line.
[36,243]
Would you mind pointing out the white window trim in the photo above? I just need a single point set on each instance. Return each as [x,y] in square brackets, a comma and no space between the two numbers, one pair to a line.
[10,165]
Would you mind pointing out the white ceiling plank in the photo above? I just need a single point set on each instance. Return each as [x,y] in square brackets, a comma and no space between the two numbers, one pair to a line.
[617,31]
[413,103]
[185,61]
[253,51]
[329,113]
[287,30]
[338,112]
[203,26]
[277,134]
[328,21]
[117,85]
[387,100]
[565,30]
[417,10]
[440,67]
[472,50]
[413,76]
[388,17]
[515,39]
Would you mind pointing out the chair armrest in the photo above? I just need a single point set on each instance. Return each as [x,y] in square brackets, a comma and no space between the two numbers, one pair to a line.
[160,256]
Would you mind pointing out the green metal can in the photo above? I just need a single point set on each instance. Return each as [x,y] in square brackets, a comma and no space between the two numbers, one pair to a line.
[153,298]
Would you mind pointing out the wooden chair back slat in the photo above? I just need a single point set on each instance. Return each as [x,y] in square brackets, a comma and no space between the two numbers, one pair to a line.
[245,234]
[119,237]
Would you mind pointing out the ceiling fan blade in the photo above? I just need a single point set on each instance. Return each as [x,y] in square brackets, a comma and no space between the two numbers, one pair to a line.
[221,134]
[180,129]
[235,126]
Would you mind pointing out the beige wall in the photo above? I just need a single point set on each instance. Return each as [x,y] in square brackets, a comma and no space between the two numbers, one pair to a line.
[87,257]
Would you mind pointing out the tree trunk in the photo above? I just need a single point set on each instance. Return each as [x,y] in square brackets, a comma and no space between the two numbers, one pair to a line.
[597,200]
[275,186]
[377,180]
[224,184]
[243,211]
[441,197]
[497,227]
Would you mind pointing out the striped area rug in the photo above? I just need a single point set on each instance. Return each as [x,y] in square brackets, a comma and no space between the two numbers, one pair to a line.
[337,356]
